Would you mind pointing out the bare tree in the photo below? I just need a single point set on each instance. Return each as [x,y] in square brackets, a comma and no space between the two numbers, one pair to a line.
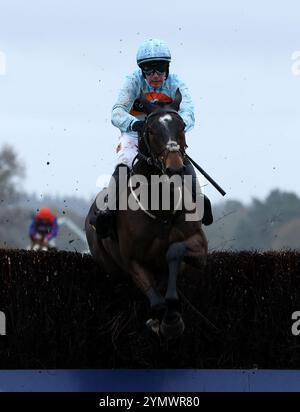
[11,172]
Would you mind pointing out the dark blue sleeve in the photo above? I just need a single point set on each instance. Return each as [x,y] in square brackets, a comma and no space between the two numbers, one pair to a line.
[54,230]
[32,230]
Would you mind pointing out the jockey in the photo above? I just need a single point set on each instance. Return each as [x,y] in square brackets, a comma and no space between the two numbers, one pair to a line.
[43,226]
[153,78]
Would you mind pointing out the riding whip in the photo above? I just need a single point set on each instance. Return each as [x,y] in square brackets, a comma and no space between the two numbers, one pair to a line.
[210,179]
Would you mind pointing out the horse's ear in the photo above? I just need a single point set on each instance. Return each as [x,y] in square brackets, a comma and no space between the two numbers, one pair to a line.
[144,104]
[176,102]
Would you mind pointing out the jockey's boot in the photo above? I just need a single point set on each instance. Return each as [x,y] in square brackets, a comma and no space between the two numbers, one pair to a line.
[105,216]
[207,216]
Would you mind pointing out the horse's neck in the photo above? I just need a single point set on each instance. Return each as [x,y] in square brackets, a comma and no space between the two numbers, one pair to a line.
[148,172]
[144,169]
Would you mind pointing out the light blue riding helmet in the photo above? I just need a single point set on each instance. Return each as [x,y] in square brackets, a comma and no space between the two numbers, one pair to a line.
[153,49]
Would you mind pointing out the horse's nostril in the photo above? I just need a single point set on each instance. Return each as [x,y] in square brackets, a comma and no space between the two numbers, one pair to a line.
[172,171]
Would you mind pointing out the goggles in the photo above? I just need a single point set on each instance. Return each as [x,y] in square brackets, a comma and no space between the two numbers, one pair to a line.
[159,68]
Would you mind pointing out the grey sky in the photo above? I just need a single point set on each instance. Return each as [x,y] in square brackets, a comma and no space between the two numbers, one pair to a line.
[65,62]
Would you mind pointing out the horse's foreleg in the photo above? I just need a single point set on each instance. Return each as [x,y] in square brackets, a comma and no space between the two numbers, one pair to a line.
[194,247]
[197,248]
[174,257]
[144,280]
[172,324]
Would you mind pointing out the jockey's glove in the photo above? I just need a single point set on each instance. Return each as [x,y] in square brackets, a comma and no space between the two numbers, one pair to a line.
[138,126]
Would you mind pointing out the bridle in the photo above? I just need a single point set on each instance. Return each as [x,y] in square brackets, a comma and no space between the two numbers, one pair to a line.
[151,157]
[157,160]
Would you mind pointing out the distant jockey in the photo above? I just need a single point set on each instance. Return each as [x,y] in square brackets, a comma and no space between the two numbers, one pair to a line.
[44,227]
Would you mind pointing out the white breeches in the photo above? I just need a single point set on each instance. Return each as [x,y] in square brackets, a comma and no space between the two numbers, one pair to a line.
[127,149]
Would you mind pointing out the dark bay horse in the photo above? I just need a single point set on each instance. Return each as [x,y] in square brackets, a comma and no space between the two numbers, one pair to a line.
[152,243]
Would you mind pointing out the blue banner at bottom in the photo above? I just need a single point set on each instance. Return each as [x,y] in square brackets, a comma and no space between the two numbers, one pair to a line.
[150,380]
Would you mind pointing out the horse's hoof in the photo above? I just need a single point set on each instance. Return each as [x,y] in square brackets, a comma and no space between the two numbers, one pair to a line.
[172,329]
[153,325]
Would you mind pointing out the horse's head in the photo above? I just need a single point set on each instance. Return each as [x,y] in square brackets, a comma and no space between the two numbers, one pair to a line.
[163,138]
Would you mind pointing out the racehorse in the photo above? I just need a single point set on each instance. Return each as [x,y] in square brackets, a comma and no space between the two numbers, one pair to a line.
[152,244]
